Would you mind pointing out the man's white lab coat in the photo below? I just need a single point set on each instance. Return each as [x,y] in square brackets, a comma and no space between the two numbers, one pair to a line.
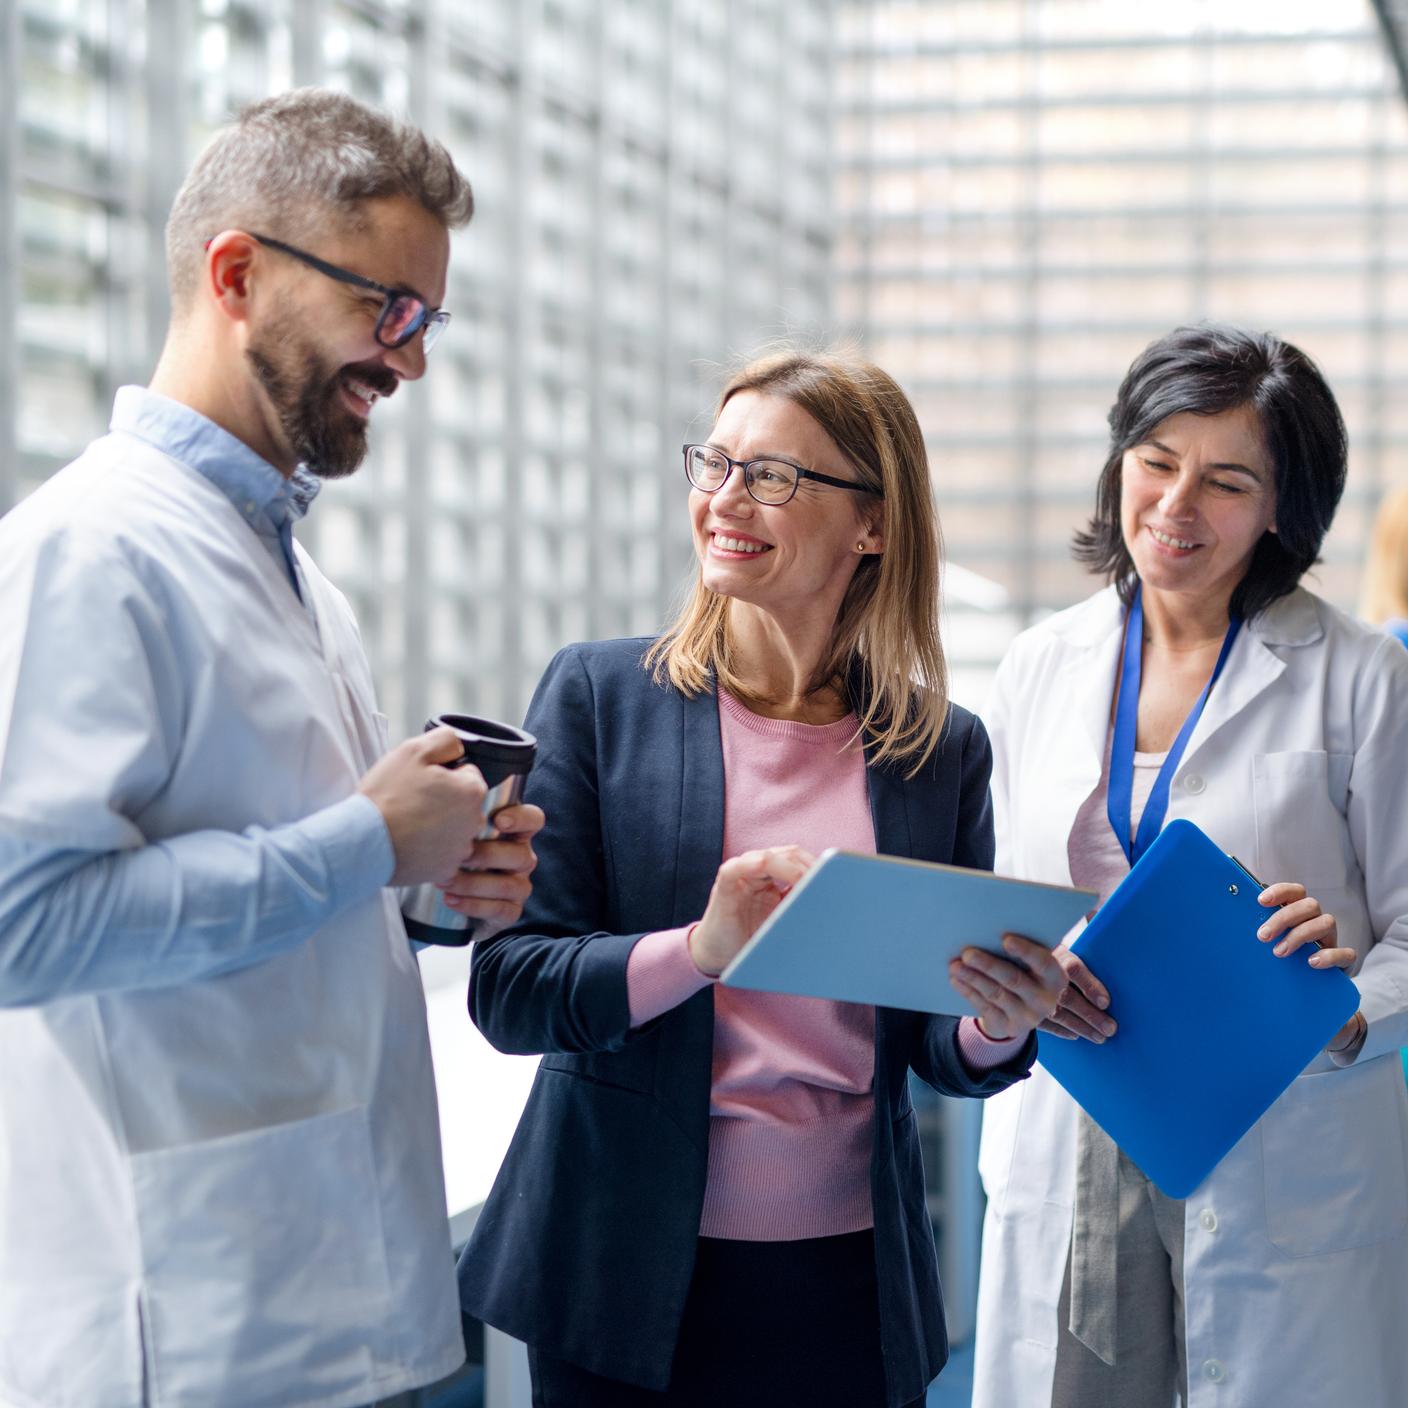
[225,1192]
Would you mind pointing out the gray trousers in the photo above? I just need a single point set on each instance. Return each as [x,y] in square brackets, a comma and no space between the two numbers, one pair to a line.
[1144,1294]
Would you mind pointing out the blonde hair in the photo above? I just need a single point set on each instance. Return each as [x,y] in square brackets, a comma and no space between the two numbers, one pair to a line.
[1386,572]
[885,655]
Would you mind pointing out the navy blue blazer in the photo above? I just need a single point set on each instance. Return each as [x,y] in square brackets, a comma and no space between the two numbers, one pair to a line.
[586,1244]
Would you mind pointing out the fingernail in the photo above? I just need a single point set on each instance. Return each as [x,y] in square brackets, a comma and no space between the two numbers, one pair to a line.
[1098,1039]
[1316,961]
[1102,1001]
[1280,950]
[1262,934]
[1109,1029]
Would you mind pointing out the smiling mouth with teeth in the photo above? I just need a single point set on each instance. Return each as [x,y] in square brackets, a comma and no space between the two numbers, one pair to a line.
[727,544]
[1171,542]
[362,391]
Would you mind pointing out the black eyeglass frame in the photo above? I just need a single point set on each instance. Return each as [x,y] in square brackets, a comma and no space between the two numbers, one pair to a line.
[432,320]
[747,465]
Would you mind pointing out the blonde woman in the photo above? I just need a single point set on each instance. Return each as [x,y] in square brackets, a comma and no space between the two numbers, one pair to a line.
[716,1197]
[1385,601]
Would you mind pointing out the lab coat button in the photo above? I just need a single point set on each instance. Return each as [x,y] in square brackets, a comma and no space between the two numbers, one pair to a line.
[1213,1370]
[1208,1220]
[1194,783]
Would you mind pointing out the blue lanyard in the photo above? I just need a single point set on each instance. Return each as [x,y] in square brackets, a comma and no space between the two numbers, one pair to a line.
[1120,797]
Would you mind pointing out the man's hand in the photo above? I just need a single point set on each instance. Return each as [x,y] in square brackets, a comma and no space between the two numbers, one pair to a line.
[433,813]
[492,885]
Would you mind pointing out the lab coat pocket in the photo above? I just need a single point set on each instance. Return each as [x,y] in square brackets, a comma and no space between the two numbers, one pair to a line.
[381,732]
[1335,1160]
[368,730]
[632,1069]
[265,1264]
[1299,800]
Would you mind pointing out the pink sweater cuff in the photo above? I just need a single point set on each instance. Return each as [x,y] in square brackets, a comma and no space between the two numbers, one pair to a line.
[979,1052]
[660,975]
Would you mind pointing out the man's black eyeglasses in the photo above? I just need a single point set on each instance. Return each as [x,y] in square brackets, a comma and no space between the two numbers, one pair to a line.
[402,315]
[768,481]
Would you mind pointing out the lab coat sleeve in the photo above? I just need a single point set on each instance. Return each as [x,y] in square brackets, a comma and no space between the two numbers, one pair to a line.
[180,910]
[91,700]
[556,982]
[1378,827]
[92,693]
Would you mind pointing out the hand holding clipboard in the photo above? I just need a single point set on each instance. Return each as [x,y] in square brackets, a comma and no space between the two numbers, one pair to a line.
[1298,920]
[1213,1024]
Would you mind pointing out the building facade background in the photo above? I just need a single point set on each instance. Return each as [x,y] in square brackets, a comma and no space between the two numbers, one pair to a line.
[1001,200]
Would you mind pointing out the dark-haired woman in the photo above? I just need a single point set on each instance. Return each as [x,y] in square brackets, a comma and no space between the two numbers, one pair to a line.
[1282,1279]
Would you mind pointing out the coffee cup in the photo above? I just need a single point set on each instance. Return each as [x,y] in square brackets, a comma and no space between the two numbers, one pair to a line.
[504,755]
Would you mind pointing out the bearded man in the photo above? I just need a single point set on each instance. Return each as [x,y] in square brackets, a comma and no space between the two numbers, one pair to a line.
[220,1178]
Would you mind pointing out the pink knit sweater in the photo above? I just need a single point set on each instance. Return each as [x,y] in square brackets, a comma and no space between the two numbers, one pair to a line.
[791,1106]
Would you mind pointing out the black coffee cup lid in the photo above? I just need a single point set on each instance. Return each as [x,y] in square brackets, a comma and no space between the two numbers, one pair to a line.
[491,740]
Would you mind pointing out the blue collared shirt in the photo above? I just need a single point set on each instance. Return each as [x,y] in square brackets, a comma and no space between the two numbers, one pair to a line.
[187,907]
[268,501]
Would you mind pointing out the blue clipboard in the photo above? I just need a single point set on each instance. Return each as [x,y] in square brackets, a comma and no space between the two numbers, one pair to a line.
[881,929]
[1213,1027]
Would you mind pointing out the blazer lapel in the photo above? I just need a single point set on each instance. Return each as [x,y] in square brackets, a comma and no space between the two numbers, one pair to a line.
[1096,695]
[889,812]
[1095,638]
[700,845]
[1253,667]
[683,1080]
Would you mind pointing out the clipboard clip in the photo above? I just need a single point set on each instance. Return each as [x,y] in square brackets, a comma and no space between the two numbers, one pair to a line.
[1232,889]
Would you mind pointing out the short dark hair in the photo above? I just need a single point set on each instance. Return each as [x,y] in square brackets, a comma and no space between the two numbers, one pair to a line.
[1209,369]
[290,164]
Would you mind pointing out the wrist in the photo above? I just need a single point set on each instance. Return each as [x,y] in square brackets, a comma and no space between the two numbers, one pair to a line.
[1344,1053]
[699,960]
[1355,1026]
[987,1035]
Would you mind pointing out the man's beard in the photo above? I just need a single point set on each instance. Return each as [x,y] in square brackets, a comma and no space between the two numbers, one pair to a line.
[323,433]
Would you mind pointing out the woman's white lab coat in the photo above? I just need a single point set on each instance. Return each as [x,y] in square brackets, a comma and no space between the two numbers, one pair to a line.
[1296,1245]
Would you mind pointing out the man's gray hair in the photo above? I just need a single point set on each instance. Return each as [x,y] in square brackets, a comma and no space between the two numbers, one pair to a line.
[293,164]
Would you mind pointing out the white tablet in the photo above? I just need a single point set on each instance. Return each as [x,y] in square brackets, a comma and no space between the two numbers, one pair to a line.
[881,930]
